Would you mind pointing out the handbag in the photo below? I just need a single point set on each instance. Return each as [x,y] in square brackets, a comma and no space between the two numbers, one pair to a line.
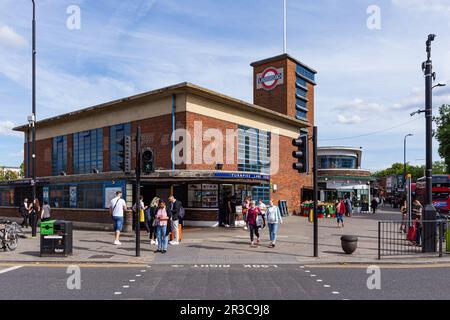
[412,233]
[142,216]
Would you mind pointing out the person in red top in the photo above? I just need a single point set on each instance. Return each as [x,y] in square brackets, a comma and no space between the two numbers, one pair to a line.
[252,217]
[340,213]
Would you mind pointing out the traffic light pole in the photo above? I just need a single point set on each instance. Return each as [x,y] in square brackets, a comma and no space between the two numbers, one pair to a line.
[429,228]
[138,192]
[316,222]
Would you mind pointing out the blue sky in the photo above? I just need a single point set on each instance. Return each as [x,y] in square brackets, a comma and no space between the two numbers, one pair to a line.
[368,80]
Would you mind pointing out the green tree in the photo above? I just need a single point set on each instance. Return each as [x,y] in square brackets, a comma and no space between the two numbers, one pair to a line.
[22,170]
[442,134]
[7,175]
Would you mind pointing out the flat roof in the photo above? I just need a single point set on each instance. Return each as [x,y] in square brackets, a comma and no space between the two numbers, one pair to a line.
[184,87]
[280,57]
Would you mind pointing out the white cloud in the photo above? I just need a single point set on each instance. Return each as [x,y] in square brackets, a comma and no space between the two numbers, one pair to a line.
[361,106]
[436,6]
[6,129]
[9,37]
[349,119]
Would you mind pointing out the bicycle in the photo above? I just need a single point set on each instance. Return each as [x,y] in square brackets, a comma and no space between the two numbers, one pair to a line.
[9,235]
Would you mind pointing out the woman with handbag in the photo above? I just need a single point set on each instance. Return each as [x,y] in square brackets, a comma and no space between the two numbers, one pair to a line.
[152,210]
[252,221]
[162,227]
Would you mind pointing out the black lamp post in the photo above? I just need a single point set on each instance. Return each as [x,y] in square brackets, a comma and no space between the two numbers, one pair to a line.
[33,125]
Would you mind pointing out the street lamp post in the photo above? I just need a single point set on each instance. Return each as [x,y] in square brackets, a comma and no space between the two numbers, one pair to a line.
[33,120]
[404,157]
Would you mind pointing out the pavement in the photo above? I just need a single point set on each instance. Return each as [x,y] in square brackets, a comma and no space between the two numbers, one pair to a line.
[230,246]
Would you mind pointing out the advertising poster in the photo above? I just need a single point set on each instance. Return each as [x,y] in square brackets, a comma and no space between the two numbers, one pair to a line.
[110,193]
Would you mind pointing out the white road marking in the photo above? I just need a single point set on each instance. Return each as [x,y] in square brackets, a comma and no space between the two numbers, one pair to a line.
[319,280]
[326,286]
[307,271]
[10,269]
[132,280]
[117,293]
[143,271]
[313,275]
[335,292]
[138,275]
[126,287]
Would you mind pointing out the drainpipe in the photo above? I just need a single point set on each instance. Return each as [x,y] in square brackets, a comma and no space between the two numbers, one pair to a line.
[174,99]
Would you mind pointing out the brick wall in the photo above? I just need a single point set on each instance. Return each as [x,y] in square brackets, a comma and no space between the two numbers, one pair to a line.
[275,99]
[288,181]
[212,123]
[43,158]
[156,135]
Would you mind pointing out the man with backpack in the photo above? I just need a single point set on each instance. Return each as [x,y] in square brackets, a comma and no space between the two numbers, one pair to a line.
[178,212]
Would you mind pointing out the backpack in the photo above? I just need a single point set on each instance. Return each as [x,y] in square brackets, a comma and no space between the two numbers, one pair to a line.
[181,213]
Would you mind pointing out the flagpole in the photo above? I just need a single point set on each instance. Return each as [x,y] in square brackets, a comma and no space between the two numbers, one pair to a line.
[284,26]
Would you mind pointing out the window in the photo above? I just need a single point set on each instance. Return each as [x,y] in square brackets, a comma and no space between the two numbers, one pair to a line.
[302,83]
[302,104]
[261,192]
[203,196]
[59,196]
[88,151]
[59,155]
[117,135]
[253,150]
[302,92]
[302,71]
[87,196]
[302,115]
[90,196]
[6,197]
[337,162]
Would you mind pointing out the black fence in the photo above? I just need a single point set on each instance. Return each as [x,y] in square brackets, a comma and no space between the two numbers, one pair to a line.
[397,238]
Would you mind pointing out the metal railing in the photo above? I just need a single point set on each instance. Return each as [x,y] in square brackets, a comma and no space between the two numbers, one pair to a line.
[395,238]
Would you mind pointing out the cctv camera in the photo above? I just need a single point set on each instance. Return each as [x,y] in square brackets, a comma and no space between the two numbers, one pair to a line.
[431,37]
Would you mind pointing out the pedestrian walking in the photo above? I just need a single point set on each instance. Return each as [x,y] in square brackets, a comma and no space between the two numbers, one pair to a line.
[252,221]
[34,210]
[152,210]
[374,205]
[417,210]
[273,218]
[162,223]
[46,212]
[117,208]
[142,210]
[245,207]
[404,212]
[24,212]
[348,206]
[340,213]
[175,208]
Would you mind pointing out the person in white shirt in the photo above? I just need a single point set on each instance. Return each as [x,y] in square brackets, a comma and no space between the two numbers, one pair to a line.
[273,220]
[117,208]
[262,207]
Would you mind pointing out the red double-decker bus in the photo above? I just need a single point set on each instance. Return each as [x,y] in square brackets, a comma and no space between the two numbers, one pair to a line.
[441,192]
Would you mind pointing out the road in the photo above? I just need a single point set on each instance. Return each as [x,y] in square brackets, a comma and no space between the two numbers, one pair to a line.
[222,282]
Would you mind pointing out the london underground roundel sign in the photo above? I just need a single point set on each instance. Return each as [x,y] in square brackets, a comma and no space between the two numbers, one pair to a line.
[270,78]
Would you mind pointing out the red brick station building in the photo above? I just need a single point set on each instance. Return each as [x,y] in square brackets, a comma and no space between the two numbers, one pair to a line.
[80,155]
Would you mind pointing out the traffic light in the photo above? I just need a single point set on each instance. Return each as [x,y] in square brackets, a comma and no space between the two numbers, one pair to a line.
[301,154]
[127,154]
[148,162]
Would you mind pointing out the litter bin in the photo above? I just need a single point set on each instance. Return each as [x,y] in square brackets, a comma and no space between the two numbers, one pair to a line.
[56,238]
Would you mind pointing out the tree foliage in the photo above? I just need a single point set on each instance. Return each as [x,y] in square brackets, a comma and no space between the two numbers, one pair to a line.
[439,167]
[8,175]
[442,134]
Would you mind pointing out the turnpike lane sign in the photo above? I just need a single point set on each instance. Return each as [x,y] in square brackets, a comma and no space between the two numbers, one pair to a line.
[270,78]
